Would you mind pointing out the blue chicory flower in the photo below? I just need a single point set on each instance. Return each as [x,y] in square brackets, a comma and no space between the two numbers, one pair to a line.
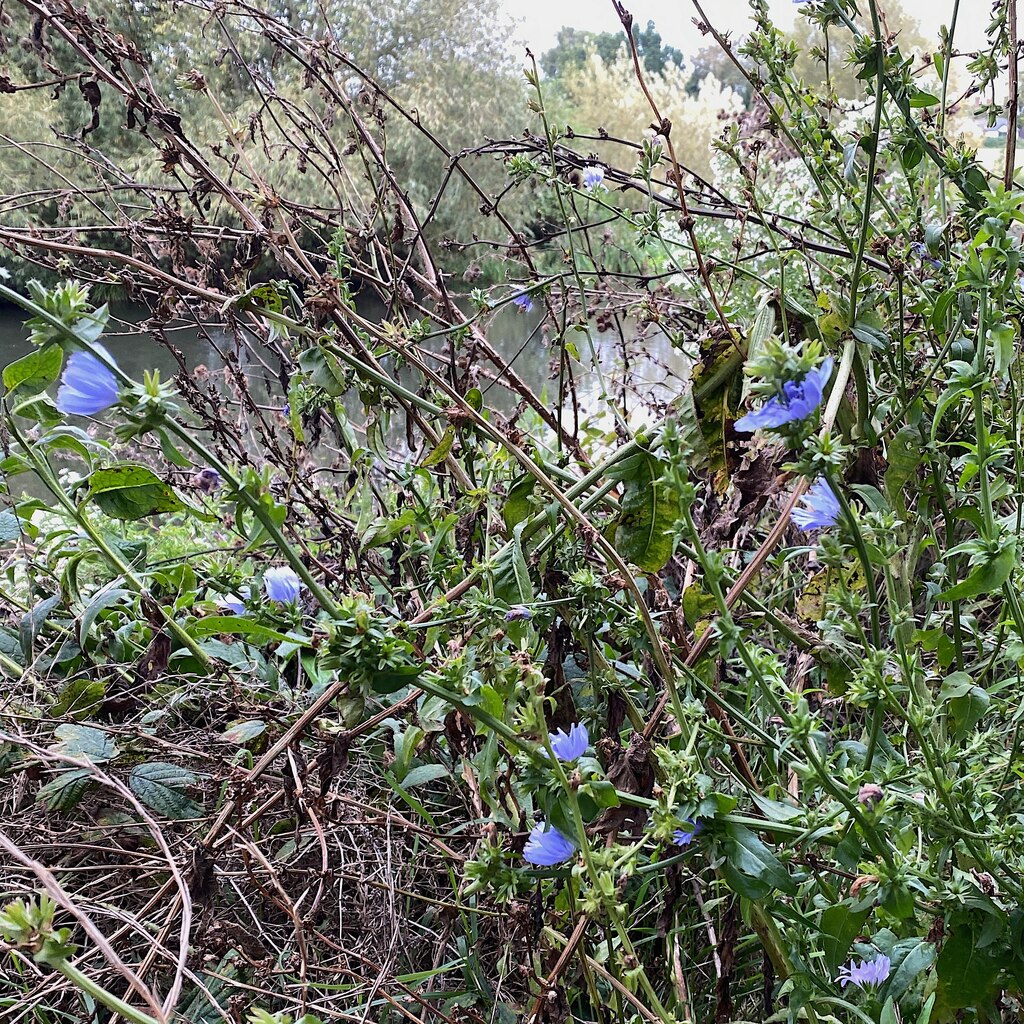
[797,401]
[518,613]
[87,386]
[592,177]
[683,838]
[568,747]
[233,602]
[547,848]
[864,973]
[820,508]
[524,302]
[282,584]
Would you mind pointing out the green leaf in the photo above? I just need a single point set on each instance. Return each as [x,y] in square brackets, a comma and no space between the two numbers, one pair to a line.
[1002,339]
[850,161]
[923,99]
[512,582]
[840,925]
[967,975]
[160,787]
[424,773]
[956,684]
[649,508]
[171,453]
[32,622]
[985,578]
[325,371]
[749,858]
[968,709]
[85,741]
[870,329]
[10,645]
[33,373]
[236,625]
[384,531]
[443,449]
[101,601]
[518,505]
[888,1014]
[926,1011]
[602,792]
[244,732]
[911,154]
[393,679]
[774,810]
[904,456]
[907,959]
[79,698]
[10,526]
[933,233]
[133,492]
[64,791]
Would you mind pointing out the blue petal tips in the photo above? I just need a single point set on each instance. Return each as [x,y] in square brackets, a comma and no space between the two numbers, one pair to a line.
[282,584]
[682,837]
[234,603]
[547,848]
[797,401]
[819,509]
[863,974]
[569,746]
[87,386]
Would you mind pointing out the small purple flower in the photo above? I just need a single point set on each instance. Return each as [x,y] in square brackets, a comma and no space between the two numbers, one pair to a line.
[233,602]
[683,838]
[524,302]
[518,613]
[568,747]
[547,848]
[592,177]
[87,386]
[282,584]
[820,508]
[920,250]
[863,974]
[207,480]
[797,401]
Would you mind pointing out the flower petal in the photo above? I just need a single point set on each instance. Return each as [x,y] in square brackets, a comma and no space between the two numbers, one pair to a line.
[547,848]
[282,584]
[87,385]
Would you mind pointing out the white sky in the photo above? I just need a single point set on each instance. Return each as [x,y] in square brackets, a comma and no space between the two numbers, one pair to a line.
[541,19]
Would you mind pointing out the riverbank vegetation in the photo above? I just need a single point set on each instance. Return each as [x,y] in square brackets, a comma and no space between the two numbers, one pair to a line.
[684,686]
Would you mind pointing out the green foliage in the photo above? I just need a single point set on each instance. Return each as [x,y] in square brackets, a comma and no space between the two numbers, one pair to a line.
[574,46]
[388,665]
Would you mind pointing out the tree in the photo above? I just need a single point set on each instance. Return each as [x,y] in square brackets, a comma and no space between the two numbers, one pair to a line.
[605,94]
[444,61]
[710,60]
[574,46]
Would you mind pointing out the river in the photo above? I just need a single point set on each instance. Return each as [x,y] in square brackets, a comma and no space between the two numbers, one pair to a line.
[656,368]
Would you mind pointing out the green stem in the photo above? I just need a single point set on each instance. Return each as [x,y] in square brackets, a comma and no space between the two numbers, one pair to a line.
[44,473]
[99,993]
[876,127]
